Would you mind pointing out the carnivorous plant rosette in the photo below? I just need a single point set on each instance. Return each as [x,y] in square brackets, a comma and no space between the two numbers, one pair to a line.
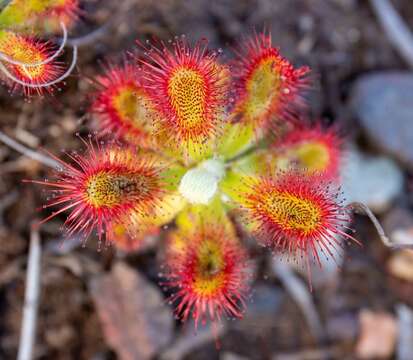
[198,146]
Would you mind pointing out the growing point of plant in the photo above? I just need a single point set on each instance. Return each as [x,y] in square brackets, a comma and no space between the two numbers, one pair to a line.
[200,184]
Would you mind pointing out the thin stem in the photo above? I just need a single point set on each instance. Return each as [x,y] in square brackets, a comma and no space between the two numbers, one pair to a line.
[31,298]
[8,59]
[395,28]
[42,85]
[28,152]
[363,208]
[89,38]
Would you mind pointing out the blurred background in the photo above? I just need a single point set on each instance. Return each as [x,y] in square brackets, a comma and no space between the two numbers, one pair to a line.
[362,57]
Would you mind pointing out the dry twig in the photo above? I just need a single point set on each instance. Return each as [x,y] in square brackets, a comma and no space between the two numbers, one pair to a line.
[31,298]
[299,292]
[45,160]
[395,28]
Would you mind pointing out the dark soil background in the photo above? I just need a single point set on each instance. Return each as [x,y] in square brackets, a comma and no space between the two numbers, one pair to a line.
[341,40]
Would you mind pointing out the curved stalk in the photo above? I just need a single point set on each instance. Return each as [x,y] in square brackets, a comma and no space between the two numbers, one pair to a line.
[8,59]
[41,85]
[363,208]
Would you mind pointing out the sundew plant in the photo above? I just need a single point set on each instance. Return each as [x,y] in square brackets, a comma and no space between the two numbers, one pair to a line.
[27,61]
[214,149]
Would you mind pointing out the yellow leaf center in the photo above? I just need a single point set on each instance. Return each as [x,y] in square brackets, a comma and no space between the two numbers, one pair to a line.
[133,108]
[109,190]
[292,213]
[312,156]
[186,89]
[210,262]
[263,87]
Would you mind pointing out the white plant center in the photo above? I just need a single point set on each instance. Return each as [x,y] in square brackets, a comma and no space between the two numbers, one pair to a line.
[200,184]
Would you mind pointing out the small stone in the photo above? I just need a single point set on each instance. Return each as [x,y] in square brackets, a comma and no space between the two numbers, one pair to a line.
[383,104]
[378,335]
[401,265]
[231,356]
[374,181]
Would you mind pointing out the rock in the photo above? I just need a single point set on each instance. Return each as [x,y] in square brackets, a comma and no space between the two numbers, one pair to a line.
[378,335]
[374,181]
[383,104]
[136,322]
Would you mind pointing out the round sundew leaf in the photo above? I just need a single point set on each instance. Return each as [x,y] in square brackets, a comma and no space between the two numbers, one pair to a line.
[296,213]
[122,109]
[207,269]
[27,49]
[189,89]
[312,148]
[268,87]
[111,185]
